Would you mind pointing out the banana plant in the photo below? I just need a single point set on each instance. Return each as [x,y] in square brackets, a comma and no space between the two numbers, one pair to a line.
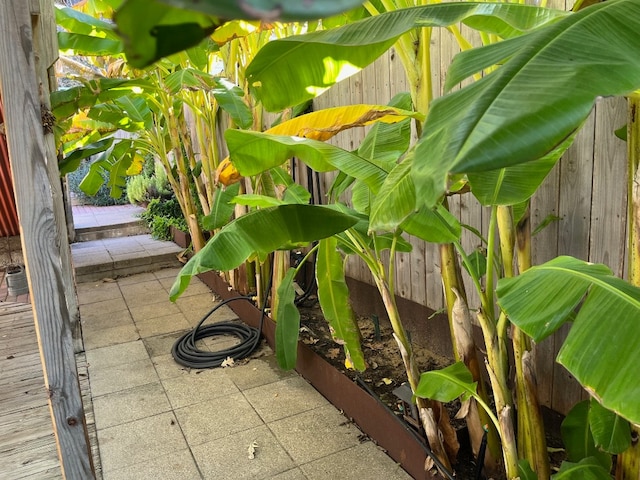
[153,106]
[253,153]
[463,135]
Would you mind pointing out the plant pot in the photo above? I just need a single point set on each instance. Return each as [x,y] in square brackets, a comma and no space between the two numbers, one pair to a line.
[367,412]
[16,278]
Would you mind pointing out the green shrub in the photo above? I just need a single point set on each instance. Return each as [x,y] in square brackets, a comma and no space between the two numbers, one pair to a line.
[151,183]
[161,215]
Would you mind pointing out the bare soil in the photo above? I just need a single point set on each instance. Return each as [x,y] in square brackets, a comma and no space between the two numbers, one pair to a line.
[385,372]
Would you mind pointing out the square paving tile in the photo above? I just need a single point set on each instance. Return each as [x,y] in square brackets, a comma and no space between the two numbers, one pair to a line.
[101,321]
[167,273]
[160,345]
[257,372]
[167,367]
[131,404]
[134,442]
[217,418]
[332,432]
[121,377]
[174,322]
[143,313]
[100,309]
[198,386]
[196,287]
[195,307]
[173,466]
[144,293]
[105,357]
[92,292]
[356,463]
[228,457]
[284,398]
[110,336]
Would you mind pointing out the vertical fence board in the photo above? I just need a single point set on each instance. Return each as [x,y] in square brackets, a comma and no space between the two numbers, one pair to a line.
[30,161]
[609,201]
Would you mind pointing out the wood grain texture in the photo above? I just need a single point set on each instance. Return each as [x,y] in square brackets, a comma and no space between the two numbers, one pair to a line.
[40,236]
[27,443]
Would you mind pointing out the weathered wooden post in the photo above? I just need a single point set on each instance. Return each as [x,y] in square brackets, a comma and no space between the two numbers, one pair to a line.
[44,243]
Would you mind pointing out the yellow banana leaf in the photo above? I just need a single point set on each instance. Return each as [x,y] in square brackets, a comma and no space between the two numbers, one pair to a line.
[323,125]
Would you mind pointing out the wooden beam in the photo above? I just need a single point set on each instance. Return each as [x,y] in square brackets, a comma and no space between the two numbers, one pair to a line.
[40,236]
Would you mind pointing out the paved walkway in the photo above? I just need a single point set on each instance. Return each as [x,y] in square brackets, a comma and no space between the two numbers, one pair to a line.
[158,420]
[86,216]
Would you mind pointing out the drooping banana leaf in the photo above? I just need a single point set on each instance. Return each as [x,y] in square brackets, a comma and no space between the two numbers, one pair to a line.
[325,124]
[294,69]
[72,161]
[385,143]
[287,319]
[113,166]
[268,10]
[447,384]
[130,113]
[601,348]
[88,45]
[396,199]
[152,29]
[230,97]
[526,108]
[436,225]
[333,295]
[262,232]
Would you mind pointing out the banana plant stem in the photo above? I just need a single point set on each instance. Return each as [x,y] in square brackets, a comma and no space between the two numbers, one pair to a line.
[628,463]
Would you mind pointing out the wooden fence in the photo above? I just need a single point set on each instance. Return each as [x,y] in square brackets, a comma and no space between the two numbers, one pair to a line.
[586,191]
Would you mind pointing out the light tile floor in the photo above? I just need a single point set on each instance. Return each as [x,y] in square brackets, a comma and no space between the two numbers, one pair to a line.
[157,420]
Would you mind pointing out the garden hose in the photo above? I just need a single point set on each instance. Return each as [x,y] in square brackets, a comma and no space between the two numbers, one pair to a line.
[186,353]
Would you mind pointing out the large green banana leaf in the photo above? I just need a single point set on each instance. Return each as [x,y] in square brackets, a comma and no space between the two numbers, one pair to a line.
[601,350]
[269,10]
[261,232]
[152,29]
[516,184]
[294,69]
[255,152]
[523,110]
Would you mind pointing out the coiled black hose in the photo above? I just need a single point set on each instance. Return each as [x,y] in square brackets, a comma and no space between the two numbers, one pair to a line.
[186,353]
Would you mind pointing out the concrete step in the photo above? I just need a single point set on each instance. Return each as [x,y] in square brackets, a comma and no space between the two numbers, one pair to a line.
[126,229]
[120,256]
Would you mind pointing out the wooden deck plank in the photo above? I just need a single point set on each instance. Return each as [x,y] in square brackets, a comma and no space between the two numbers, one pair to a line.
[27,443]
